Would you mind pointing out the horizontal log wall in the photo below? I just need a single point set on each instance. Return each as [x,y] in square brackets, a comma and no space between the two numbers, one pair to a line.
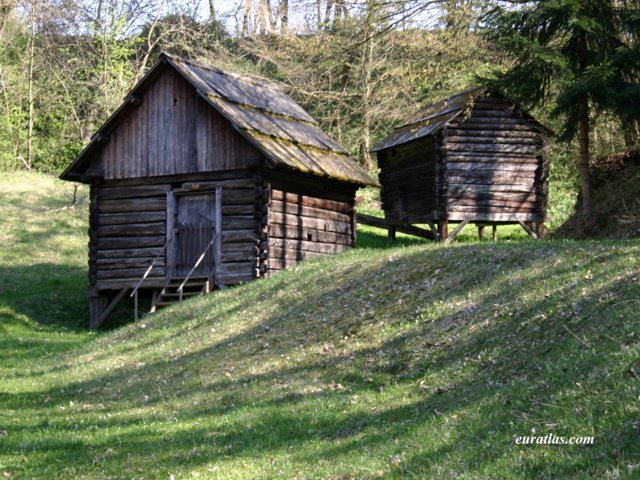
[308,218]
[408,182]
[173,131]
[492,166]
[128,228]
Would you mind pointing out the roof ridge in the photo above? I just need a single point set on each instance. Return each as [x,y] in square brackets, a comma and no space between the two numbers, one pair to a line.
[442,103]
[254,79]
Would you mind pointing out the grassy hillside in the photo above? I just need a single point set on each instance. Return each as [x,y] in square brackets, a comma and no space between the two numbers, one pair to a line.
[418,361]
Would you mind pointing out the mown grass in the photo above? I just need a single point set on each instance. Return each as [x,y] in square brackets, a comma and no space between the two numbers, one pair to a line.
[414,361]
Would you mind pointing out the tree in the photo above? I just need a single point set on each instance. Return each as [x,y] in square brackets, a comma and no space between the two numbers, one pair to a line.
[575,53]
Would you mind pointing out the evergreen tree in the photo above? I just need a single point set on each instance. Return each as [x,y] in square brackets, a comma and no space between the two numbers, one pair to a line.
[578,53]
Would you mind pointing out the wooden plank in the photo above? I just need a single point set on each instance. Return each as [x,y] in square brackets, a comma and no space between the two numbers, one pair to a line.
[292,254]
[128,253]
[126,262]
[449,238]
[494,217]
[131,217]
[306,246]
[131,230]
[497,148]
[487,178]
[114,192]
[113,243]
[454,203]
[95,324]
[472,210]
[382,223]
[528,229]
[456,189]
[230,236]
[481,130]
[492,140]
[308,201]
[125,273]
[310,212]
[308,234]
[137,204]
[498,159]
[306,222]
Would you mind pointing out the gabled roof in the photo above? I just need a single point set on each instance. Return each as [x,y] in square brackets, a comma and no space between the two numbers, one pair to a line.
[433,118]
[259,110]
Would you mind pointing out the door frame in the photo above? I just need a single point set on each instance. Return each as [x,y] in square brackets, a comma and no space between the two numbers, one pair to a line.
[172,212]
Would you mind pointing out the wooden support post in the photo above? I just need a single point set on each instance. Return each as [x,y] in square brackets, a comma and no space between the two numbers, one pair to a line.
[217,245]
[96,322]
[481,232]
[97,305]
[434,230]
[154,299]
[391,235]
[528,229]
[457,230]
[443,230]
[135,306]
[494,234]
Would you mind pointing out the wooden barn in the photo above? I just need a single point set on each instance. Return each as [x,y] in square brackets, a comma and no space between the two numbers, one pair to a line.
[204,179]
[472,158]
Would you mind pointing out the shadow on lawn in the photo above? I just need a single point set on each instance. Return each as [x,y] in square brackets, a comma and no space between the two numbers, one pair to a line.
[50,294]
[516,362]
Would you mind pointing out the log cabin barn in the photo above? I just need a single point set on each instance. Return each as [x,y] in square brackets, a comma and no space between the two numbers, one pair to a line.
[204,179]
[473,158]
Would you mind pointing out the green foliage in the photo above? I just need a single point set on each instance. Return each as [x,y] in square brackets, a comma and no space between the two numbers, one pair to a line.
[567,50]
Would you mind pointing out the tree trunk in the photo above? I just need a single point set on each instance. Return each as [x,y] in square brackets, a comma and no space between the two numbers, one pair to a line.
[367,90]
[245,19]
[212,11]
[585,173]
[32,40]
[284,16]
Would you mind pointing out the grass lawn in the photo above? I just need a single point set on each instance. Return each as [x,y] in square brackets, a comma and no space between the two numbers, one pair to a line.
[416,361]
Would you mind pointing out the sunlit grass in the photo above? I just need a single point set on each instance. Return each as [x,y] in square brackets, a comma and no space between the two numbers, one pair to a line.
[416,361]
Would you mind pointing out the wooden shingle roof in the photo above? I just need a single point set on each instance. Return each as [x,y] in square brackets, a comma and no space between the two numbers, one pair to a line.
[261,112]
[431,119]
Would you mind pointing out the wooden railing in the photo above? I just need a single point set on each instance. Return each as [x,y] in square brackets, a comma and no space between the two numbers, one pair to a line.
[195,265]
[134,293]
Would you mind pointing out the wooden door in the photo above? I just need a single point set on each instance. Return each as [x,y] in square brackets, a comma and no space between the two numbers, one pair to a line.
[194,232]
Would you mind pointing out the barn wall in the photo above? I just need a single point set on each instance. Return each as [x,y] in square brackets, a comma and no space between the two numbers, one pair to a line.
[128,227]
[307,218]
[492,165]
[408,182]
[173,131]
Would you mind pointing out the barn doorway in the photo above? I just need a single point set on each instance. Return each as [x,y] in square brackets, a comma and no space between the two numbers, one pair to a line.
[195,220]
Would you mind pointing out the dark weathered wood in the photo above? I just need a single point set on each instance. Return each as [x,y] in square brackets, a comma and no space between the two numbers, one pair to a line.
[307,201]
[307,246]
[309,234]
[311,212]
[382,223]
[133,205]
[96,322]
[528,229]
[131,217]
[113,243]
[450,237]
[132,230]
[306,222]
[127,253]
[114,192]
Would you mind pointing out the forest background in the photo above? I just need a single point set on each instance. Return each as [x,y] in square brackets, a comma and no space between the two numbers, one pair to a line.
[357,66]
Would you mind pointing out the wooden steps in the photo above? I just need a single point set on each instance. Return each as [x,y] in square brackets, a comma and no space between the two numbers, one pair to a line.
[170,294]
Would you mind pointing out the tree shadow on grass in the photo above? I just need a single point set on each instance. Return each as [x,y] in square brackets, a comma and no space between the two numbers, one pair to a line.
[511,364]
